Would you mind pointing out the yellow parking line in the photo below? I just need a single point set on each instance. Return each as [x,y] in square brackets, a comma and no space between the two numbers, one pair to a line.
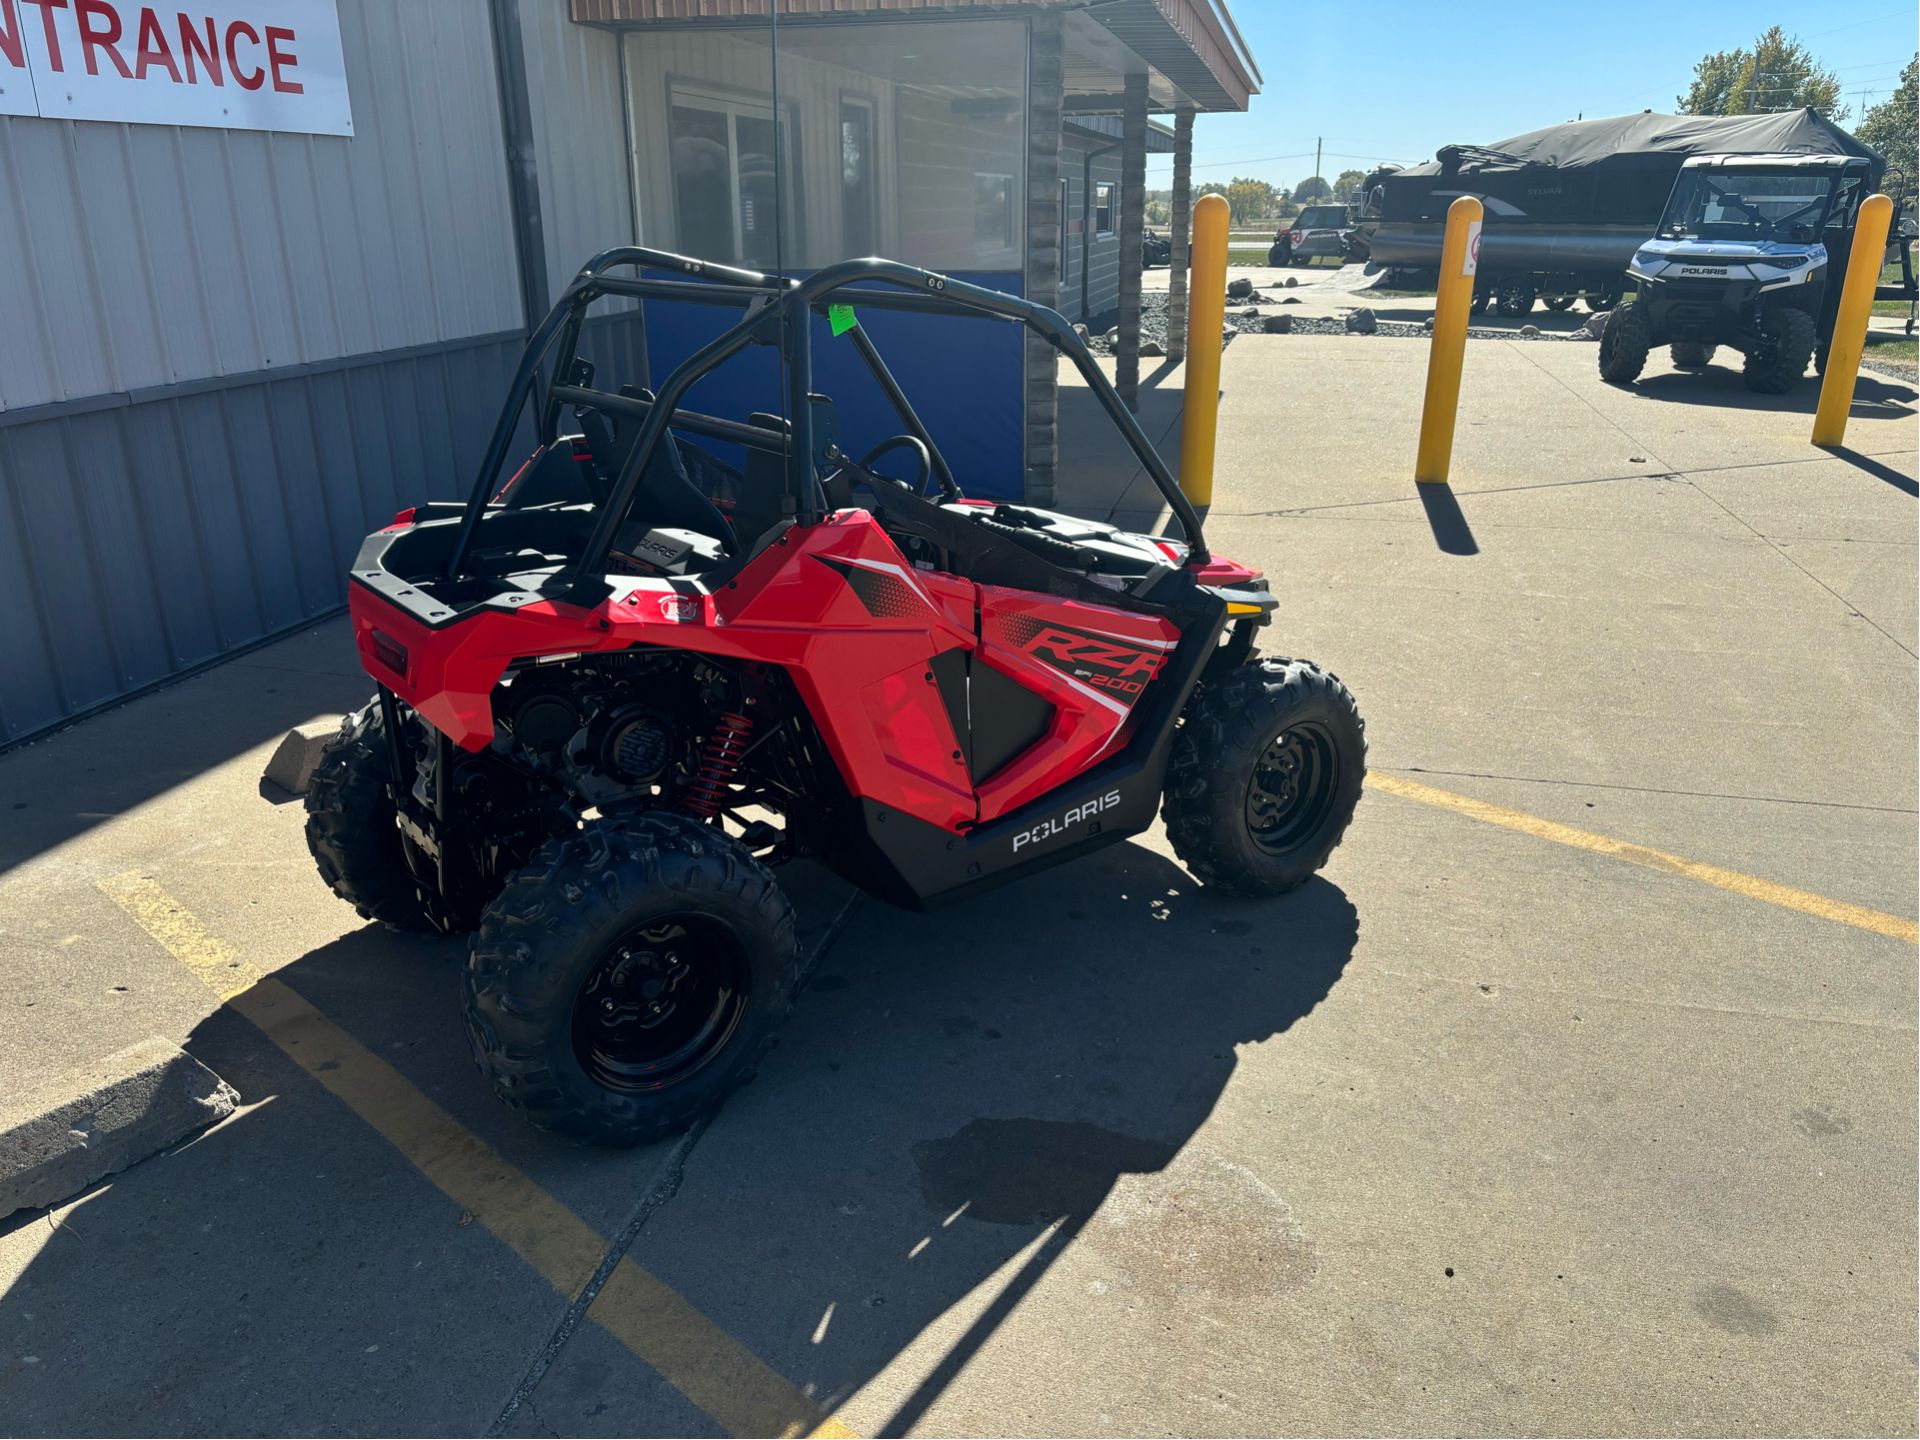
[1754,888]
[652,1319]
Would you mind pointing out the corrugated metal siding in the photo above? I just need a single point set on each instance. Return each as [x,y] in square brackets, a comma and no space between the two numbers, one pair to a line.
[139,255]
[1103,251]
[150,538]
[580,139]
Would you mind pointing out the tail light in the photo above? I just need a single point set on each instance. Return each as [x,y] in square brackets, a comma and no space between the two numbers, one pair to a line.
[389,652]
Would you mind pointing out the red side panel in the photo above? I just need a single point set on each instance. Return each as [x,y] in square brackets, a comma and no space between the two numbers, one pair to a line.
[1093,664]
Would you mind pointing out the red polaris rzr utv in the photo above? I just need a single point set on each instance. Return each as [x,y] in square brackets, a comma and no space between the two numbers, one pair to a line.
[617,688]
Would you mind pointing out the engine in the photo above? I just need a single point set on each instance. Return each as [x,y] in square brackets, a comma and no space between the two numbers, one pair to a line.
[623,729]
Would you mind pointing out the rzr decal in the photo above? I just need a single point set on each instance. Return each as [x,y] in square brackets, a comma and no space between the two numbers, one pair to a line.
[1119,667]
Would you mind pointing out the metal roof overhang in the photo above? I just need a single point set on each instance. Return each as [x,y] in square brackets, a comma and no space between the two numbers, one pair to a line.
[1192,50]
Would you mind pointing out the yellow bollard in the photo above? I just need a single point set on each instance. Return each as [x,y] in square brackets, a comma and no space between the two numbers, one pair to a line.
[1459,258]
[1206,332]
[1850,320]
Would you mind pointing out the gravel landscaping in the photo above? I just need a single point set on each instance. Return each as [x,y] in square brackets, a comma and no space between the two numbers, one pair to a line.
[1272,301]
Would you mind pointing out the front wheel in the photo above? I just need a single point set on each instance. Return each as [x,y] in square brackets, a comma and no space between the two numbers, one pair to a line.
[628,978]
[1266,771]
[1624,343]
[1775,365]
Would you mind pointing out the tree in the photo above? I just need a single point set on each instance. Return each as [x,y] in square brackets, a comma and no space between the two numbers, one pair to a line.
[1312,188]
[1250,199]
[1777,74]
[1890,128]
[1347,183]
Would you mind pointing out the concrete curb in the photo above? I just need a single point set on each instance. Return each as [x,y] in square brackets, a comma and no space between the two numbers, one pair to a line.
[59,1138]
[298,754]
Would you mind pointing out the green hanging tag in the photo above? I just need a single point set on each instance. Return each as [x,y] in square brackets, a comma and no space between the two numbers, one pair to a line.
[841,318]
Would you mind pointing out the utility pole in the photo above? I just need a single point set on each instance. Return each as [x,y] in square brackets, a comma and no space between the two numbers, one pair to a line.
[1316,157]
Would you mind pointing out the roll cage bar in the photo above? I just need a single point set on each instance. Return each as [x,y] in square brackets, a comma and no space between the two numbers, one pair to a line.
[777,312]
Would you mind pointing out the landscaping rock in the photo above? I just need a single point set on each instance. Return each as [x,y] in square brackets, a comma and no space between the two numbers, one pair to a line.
[1292,281]
[1277,325]
[1250,313]
[1239,289]
[1113,336]
[1362,322]
[1595,324]
[1529,332]
[1152,350]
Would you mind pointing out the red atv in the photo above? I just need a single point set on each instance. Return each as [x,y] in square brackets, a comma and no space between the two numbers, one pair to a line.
[618,688]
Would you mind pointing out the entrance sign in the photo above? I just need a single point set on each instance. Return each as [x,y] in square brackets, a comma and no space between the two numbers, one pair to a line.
[228,64]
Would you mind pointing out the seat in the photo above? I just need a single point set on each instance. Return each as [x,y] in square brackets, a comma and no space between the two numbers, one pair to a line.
[665,497]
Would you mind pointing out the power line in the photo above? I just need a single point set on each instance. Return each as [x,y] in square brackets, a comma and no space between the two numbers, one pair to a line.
[1872,20]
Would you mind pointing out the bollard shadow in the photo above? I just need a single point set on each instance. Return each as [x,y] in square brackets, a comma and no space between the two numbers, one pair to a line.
[1879,469]
[1447,521]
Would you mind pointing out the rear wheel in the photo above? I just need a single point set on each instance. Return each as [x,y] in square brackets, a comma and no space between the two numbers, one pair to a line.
[1775,365]
[1624,343]
[353,832]
[1690,355]
[1266,771]
[628,978]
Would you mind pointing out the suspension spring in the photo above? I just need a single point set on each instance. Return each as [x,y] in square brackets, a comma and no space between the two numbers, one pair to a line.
[719,758]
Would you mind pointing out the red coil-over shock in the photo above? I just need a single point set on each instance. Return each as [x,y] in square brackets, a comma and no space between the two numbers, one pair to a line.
[719,758]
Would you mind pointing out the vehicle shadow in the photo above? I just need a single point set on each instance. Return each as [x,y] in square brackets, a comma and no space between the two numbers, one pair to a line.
[954,1105]
[1720,386]
[955,1097]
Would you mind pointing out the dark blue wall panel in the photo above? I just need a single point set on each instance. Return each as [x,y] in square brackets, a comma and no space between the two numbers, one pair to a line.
[962,374]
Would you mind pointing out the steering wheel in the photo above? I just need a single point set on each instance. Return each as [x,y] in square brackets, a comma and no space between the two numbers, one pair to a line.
[918,485]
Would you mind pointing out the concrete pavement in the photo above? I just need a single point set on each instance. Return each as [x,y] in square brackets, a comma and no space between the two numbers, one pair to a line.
[1483,1131]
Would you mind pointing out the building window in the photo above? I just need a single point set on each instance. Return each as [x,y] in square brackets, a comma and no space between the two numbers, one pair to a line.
[1103,209]
[725,196]
[993,211]
[859,190]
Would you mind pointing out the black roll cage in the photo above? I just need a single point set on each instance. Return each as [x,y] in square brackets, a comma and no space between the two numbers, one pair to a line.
[777,312]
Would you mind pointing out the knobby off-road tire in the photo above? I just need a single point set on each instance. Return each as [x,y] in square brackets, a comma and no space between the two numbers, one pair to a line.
[352,832]
[624,918]
[1270,723]
[1691,355]
[1624,342]
[1776,364]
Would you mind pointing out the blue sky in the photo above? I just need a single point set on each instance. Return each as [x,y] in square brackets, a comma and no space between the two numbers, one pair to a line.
[1394,79]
